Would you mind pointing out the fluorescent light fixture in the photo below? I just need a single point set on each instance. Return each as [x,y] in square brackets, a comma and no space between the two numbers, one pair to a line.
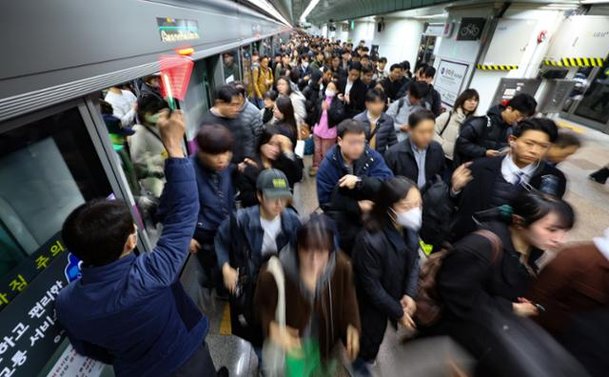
[266,6]
[439,15]
[308,10]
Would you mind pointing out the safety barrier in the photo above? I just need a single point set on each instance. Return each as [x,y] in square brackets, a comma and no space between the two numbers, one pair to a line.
[575,62]
[496,67]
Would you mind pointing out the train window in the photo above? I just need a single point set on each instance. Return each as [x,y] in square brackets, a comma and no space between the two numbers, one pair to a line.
[595,102]
[47,168]
[230,66]
[246,69]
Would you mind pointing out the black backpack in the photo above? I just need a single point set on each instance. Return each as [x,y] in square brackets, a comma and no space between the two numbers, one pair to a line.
[438,211]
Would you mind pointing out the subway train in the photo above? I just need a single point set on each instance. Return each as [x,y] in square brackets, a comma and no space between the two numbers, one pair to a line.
[62,142]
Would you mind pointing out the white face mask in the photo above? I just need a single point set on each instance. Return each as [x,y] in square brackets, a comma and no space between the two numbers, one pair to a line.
[305,64]
[330,93]
[411,219]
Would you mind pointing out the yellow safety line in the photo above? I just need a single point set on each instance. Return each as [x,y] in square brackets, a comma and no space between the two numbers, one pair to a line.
[571,126]
[225,327]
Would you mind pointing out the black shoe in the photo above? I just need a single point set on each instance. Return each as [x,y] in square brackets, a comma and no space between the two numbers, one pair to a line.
[600,176]
[222,372]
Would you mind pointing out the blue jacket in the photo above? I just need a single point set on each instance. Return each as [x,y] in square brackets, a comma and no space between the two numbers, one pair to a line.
[133,313]
[248,220]
[216,202]
[332,168]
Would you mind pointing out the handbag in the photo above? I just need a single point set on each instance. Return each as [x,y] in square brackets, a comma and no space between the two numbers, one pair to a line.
[273,355]
[429,305]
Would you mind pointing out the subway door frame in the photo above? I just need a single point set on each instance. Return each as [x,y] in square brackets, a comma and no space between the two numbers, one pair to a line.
[99,135]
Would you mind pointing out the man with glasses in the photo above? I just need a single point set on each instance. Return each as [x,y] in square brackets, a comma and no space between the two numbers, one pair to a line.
[498,180]
[487,135]
[348,179]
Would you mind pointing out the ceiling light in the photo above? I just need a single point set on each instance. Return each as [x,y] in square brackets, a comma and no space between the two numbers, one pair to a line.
[308,10]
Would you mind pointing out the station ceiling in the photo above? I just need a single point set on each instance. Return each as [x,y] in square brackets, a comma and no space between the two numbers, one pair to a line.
[339,10]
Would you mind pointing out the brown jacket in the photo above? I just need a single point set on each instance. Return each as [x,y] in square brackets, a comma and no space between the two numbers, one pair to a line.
[334,317]
[577,280]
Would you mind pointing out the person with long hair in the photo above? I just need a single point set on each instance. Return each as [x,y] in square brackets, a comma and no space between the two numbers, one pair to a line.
[386,264]
[483,275]
[286,121]
[319,297]
[449,123]
[275,151]
[284,88]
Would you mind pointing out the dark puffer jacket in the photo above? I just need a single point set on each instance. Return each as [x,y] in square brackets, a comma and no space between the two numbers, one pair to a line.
[478,134]
[385,135]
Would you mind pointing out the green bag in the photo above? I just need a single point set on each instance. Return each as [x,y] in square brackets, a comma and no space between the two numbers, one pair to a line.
[308,362]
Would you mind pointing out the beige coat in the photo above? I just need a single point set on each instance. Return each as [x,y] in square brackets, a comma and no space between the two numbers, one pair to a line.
[451,133]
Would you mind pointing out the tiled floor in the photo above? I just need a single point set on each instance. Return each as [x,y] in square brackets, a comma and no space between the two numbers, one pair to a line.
[591,203]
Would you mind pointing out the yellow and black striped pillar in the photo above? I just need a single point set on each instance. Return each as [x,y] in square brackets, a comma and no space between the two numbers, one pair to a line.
[575,62]
[496,67]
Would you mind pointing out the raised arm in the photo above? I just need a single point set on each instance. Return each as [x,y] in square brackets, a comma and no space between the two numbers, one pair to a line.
[179,208]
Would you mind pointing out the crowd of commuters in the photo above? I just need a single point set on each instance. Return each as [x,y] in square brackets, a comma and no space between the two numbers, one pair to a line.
[392,167]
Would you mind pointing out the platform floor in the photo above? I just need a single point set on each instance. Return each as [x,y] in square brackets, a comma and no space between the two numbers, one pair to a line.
[591,203]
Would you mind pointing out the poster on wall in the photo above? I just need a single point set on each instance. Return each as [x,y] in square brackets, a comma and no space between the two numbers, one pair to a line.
[449,79]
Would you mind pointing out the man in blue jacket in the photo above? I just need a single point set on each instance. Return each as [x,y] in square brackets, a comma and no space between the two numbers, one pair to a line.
[130,310]
[348,180]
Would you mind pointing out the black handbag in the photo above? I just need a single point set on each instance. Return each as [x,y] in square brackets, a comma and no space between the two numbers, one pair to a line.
[241,300]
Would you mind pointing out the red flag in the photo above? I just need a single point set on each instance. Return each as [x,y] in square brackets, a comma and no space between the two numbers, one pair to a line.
[175,75]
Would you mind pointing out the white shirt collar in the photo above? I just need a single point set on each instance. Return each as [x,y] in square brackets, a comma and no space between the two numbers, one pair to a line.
[510,171]
[602,243]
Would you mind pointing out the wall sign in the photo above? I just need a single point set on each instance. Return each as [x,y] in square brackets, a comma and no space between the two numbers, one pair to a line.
[177,30]
[449,79]
[471,29]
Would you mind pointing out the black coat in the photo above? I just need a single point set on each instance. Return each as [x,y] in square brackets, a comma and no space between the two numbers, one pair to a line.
[400,159]
[336,112]
[392,88]
[246,182]
[469,283]
[478,194]
[385,135]
[357,97]
[433,101]
[385,266]
[478,134]
[244,147]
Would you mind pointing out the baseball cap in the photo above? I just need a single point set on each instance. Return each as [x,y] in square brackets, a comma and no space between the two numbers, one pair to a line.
[273,184]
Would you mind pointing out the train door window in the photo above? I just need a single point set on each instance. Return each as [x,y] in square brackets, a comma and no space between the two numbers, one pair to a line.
[246,69]
[230,66]
[48,167]
[426,50]
[594,104]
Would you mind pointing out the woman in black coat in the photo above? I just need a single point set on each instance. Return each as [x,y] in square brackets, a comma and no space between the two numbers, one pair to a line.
[477,278]
[275,151]
[386,264]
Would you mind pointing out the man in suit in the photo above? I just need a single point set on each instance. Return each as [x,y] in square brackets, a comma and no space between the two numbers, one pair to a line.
[418,157]
[498,180]
[354,91]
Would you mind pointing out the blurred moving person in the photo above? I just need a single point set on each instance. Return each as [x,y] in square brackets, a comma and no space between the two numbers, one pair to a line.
[319,299]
